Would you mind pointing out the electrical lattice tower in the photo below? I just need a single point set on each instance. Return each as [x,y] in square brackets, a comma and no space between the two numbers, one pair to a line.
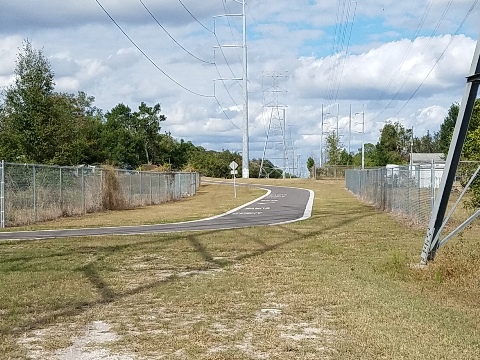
[275,157]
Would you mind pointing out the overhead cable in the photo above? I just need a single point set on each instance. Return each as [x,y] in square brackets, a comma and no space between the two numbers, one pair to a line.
[193,16]
[148,58]
[231,30]
[225,113]
[441,55]
[171,37]
[346,54]
[407,52]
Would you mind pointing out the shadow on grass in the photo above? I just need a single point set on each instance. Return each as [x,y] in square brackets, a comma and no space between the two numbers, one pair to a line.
[107,295]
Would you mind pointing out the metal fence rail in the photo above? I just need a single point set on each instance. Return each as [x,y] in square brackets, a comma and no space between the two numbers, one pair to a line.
[408,191]
[31,193]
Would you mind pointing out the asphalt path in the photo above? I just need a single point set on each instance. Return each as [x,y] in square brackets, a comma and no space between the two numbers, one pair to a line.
[280,205]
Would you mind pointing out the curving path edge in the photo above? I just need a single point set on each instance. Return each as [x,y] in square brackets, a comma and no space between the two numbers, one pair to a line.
[280,205]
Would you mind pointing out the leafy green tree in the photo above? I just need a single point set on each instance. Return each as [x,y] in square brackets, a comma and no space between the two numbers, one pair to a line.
[42,126]
[147,127]
[393,146]
[118,141]
[213,163]
[345,158]
[29,127]
[448,126]
[310,165]
[132,138]
[369,156]
[426,143]
[333,149]
[89,131]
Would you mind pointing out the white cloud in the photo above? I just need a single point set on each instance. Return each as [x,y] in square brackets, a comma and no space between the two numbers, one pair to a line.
[383,67]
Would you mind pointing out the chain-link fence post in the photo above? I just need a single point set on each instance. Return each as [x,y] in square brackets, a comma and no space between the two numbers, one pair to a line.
[60,190]
[2,195]
[419,191]
[141,189]
[34,183]
[151,190]
[130,189]
[83,191]
[159,189]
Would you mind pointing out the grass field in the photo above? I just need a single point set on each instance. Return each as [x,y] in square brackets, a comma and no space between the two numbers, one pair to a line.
[340,285]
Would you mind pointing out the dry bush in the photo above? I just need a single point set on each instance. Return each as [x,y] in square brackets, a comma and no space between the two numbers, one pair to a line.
[189,168]
[458,262]
[112,195]
[162,168]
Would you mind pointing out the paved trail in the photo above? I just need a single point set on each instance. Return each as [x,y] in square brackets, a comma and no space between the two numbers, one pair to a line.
[280,205]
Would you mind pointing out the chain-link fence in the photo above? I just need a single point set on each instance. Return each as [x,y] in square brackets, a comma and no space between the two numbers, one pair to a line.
[33,193]
[408,191]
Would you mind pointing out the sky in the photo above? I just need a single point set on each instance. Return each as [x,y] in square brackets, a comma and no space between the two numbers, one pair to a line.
[365,62]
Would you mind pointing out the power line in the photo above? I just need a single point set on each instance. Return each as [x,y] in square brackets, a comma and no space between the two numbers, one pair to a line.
[341,28]
[224,112]
[171,37]
[436,62]
[225,86]
[406,53]
[440,57]
[387,62]
[256,22]
[216,66]
[193,16]
[148,58]
[346,53]
[230,26]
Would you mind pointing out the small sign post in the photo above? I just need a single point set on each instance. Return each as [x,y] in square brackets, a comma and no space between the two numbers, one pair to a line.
[233,165]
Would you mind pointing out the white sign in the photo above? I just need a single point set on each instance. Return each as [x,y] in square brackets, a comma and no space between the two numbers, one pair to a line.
[233,166]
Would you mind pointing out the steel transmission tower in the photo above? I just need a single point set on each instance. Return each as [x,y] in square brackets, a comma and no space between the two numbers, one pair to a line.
[245,134]
[275,148]
[437,219]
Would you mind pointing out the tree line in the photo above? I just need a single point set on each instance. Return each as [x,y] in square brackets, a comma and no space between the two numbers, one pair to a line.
[397,142]
[40,125]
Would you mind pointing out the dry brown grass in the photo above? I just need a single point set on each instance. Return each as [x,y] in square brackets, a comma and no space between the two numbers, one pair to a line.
[112,196]
[337,286]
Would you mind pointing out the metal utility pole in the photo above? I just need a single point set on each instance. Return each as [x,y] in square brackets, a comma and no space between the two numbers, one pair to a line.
[321,136]
[245,137]
[321,141]
[284,147]
[245,152]
[349,130]
[337,140]
[432,239]
[363,135]
[338,113]
[411,152]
